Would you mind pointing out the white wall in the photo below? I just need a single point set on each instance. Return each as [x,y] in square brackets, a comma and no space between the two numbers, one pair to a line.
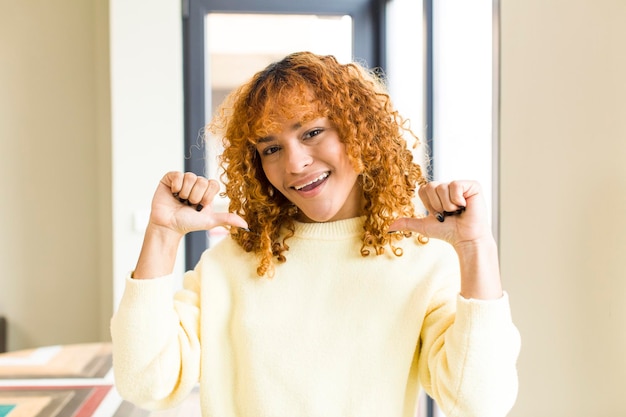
[146,117]
[563,200]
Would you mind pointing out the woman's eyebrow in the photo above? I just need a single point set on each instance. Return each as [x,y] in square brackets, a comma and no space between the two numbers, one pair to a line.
[271,138]
[265,139]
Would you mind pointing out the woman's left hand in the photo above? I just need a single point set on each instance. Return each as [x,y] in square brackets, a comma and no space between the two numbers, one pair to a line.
[457,214]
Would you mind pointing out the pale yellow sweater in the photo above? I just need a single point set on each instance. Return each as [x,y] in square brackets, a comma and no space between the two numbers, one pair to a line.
[331,334]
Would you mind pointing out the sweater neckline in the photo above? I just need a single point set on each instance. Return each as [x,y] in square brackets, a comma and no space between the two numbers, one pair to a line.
[330,230]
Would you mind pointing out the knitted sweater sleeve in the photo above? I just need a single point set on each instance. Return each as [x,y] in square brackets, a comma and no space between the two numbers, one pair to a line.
[468,357]
[156,341]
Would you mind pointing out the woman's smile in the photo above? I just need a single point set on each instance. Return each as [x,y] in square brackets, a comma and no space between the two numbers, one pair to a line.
[311,185]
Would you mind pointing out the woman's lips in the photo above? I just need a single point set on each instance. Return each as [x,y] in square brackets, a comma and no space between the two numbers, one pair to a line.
[312,184]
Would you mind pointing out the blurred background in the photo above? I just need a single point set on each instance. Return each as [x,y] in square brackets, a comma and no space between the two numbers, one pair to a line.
[527,96]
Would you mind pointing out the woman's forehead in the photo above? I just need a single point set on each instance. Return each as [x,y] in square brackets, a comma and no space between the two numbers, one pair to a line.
[279,117]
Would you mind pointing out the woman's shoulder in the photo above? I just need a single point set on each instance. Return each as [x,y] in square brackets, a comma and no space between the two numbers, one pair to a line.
[222,248]
[226,252]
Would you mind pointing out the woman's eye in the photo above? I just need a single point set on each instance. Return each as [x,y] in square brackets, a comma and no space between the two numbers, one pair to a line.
[270,150]
[312,133]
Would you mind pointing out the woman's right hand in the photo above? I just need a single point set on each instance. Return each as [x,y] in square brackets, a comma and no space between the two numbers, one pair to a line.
[183,203]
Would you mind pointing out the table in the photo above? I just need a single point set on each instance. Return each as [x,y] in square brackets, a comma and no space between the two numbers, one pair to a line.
[70,381]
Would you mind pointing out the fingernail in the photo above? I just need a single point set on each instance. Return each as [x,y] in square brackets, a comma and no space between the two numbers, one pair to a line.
[454,213]
[199,207]
[440,216]
[459,211]
[245,229]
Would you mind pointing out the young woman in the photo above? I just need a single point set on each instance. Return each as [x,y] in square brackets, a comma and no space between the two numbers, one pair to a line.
[332,296]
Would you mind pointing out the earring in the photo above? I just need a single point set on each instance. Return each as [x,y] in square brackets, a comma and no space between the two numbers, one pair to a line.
[270,191]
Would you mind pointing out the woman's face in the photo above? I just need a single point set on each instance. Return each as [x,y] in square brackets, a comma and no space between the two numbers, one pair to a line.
[308,164]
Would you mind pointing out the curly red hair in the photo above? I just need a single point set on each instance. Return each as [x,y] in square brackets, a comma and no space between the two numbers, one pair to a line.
[355,101]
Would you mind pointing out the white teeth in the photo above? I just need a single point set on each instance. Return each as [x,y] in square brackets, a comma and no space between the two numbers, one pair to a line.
[321,177]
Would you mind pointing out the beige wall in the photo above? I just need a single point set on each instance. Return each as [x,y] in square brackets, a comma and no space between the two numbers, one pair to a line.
[81,87]
[54,248]
[563,202]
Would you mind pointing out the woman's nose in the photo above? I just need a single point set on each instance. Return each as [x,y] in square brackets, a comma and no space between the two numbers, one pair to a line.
[297,158]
